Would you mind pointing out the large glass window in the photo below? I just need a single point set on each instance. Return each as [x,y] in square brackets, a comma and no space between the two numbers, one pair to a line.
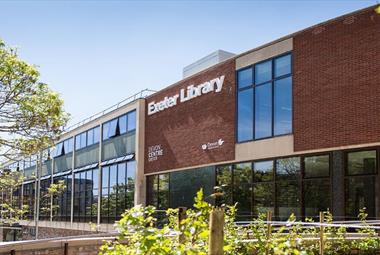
[263,187]
[87,138]
[118,187]
[263,111]
[45,204]
[62,202]
[29,199]
[245,116]
[86,192]
[361,183]
[265,105]
[120,125]
[288,173]
[283,106]
[242,192]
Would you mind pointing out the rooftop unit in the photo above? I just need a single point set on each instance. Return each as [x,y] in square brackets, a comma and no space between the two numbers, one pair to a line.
[206,62]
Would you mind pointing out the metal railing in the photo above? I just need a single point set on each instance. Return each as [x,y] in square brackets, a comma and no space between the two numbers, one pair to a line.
[142,94]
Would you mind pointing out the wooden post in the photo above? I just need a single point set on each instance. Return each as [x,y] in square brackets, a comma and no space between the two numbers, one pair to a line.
[321,234]
[181,216]
[216,231]
[269,230]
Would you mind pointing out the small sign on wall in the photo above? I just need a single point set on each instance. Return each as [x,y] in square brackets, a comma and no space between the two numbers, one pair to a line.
[212,145]
[154,152]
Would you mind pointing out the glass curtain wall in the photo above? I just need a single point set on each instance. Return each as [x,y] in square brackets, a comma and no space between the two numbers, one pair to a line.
[361,183]
[118,189]
[29,199]
[62,202]
[264,101]
[45,199]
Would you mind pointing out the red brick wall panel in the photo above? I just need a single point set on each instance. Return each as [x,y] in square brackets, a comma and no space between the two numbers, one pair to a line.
[182,129]
[336,83]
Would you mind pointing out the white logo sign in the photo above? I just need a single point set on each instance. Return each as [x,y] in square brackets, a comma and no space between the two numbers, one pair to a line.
[185,95]
[213,145]
[154,152]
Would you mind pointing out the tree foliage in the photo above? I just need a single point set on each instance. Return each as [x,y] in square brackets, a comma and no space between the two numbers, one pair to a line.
[31,114]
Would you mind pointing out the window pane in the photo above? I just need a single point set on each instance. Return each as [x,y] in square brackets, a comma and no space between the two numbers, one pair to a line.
[288,168]
[263,72]
[96,134]
[121,169]
[263,111]
[113,176]
[282,65]
[245,115]
[112,128]
[263,171]
[242,176]
[224,181]
[361,162]
[288,199]
[90,137]
[95,178]
[185,184]
[163,191]
[360,193]
[244,78]
[317,166]
[317,196]
[77,142]
[68,144]
[263,194]
[105,175]
[131,121]
[106,127]
[283,106]
[83,140]
[123,124]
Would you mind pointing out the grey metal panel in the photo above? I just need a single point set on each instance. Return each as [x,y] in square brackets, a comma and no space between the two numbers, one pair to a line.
[86,156]
[119,146]
[63,163]
[338,184]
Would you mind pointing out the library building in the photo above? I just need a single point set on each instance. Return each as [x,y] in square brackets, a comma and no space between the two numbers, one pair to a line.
[292,126]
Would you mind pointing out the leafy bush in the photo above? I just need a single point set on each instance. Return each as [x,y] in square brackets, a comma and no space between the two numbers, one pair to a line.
[138,234]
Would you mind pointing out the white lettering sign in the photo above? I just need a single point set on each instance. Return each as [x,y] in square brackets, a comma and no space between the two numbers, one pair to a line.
[154,152]
[214,85]
[212,145]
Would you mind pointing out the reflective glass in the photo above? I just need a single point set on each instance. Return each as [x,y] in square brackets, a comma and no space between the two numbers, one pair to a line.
[112,128]
[90,137]
[121,169]
[113,176]
[106,127]
[283,106]
[288,199]
[317,166]
[317,196]
[224,181]
[263,171]
[131,121]
[83,140]
[288,168]
[282,65]
[77,142]
[245,115]
[123,124]
[263,111]
[96,134]
[361,162]
[263,194]
[263,72]
[244,78]
[242,180]
[105,176]
[361,191]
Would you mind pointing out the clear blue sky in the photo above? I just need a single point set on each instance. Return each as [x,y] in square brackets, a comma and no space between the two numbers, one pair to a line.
[96,53]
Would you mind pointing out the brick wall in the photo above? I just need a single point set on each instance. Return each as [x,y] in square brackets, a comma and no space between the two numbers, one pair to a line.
[336,82]
[181,130]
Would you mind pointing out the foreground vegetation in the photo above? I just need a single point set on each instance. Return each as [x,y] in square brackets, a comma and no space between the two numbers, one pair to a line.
[139,235]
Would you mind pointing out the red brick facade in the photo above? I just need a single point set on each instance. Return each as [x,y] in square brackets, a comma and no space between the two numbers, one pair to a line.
[181,130]
[336,83]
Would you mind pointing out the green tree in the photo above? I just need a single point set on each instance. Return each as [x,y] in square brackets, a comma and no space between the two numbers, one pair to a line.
[31,118]
[31,114]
